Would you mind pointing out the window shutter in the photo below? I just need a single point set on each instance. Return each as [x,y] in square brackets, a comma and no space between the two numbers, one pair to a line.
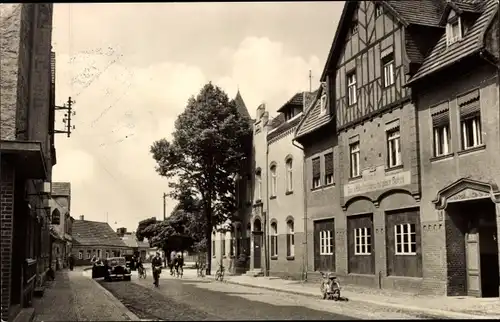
[469,104]
[316,168]
[329,163]
[441,118]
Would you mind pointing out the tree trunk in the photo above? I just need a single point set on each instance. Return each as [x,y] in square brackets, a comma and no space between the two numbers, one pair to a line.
[208,236]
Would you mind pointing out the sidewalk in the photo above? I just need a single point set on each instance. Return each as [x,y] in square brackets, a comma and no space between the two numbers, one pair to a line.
[436,306]
[72,296]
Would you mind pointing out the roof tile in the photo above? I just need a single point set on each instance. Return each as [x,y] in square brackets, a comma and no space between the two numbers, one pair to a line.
[95,233]
[312,118]
[422,12]
[442,55]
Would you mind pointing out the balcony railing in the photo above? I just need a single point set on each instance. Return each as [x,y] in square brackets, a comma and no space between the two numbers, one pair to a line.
[29,276]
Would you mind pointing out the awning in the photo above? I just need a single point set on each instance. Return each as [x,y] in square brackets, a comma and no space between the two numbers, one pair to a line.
[27,157]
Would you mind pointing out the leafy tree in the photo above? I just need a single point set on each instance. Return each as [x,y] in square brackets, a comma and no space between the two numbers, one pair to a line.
[207,151]
[144,229]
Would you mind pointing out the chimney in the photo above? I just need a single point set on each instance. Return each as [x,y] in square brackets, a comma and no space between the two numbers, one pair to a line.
[260,111]
[81,217]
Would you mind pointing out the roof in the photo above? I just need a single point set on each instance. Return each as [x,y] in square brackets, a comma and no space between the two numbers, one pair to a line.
[312,119]
[240,105]
[61,189]
[131,241]
[296,99]
[472,42]
[95,233]
[407,12]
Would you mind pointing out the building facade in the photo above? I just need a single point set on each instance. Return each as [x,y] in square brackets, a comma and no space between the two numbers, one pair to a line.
[27,150]
[459,131]
[93,238]
[61,224]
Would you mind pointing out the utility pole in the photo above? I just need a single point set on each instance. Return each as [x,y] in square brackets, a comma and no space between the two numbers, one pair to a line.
[68,106]
[164,206]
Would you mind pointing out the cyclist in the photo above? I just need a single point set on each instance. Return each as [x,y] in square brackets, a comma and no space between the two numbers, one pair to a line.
[140,266]
[156,264]
[179,263]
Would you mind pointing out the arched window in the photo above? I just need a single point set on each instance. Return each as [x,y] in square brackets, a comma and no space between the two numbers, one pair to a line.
[213,243]
[56,217]
[80,255]
[274,182]
[289,178]
[290,240]
[274,240]
[258,185]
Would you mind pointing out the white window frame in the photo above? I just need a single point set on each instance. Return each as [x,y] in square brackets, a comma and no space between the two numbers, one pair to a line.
[352,97]
[290,226]
[389,76]
[441,140]
[258,179]
[399,232]
[378,10]
[107,254]
[326,242]
[274,236]
[214,244]
[451,38]
[88,254]
[223,237]
[316,182]
[354,158]
[289,175]
[80,255]
[329,179]
[394,148]
[274,181]
[475,127]
[323,104]
[361,239]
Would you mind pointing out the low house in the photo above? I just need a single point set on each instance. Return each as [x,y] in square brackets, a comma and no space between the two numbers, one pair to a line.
[136,247]
[61,224]
[95,238]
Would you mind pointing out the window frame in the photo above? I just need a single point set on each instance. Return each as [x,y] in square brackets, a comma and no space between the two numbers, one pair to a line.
[354,154]
[393,137]
[214,254]
[316,181]
[289,174]
[290,235]
[388,66]
[258,180]
[450,37]
[80,254]
[378,10]
[401,242]
[326,242]
[329,177]
[441,140]
[361,237]
[351,81]
[274,180]
[323,105]
[274,239]
[476,128]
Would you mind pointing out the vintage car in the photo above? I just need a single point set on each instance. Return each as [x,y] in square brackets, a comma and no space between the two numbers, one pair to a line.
[111,268]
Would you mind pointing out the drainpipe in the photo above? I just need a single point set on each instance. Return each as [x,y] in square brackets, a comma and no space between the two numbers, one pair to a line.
[265,215]
[305,260]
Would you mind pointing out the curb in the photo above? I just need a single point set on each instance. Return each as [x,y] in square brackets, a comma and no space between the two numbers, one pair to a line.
[119,304]
[427,313]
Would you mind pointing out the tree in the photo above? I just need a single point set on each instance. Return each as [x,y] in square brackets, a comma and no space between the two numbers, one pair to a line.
[144,229]
[206,153]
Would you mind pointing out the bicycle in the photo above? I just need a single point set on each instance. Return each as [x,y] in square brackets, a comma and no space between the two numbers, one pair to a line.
[142,272]
[219,275]
[179,271]
[201,269]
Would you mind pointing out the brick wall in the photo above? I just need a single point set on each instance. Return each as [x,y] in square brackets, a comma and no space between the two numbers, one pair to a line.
[7,211]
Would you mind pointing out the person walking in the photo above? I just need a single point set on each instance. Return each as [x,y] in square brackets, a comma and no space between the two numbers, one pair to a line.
[71,262]
[173,255]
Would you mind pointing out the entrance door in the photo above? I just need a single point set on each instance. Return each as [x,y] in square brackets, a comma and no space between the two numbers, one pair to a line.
[473,261]
[257,247]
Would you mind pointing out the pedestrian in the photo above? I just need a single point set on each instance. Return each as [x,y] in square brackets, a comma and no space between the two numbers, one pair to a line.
[71,262]
[173,255]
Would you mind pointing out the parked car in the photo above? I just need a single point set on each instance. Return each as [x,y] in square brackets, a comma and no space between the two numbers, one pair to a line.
[111,268]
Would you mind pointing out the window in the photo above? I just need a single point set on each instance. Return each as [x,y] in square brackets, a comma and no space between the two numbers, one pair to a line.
[378,10]
[107,254]
[289,177]
[274,181]
[454,31]
[441,132]
[354,27]
[471,131]
[80,255]
[258,186]
[393,148]
[289,114]
[213,244]
[274,240]
[238,240]
[231,244]
[223,244]
[290,240]
[56,217]
[316,173]
[354,156]
[88,254]
[323,104]
[99,253]
[388,63]
[362,241]
[329,168]
[405,239]
[326,242]
[351,88]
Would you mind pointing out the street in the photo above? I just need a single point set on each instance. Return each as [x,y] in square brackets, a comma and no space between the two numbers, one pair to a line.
[192,299]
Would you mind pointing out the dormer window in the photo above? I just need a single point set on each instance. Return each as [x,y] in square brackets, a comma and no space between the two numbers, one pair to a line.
[323,104]
[354,27]
[378,10]
[453,30]
[289,114]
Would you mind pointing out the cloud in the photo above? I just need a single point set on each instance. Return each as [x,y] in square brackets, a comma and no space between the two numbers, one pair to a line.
[122,109]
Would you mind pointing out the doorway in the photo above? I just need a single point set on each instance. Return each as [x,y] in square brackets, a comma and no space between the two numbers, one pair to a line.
[472,249]
[257,244]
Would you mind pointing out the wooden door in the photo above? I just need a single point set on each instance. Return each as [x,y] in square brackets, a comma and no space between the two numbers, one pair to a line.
[473,259]
[257,250]
[324,250]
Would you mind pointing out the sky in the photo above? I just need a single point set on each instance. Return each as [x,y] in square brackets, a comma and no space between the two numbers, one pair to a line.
[130,68]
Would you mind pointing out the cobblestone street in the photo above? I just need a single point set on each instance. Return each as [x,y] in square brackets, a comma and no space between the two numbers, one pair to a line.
[194,299]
